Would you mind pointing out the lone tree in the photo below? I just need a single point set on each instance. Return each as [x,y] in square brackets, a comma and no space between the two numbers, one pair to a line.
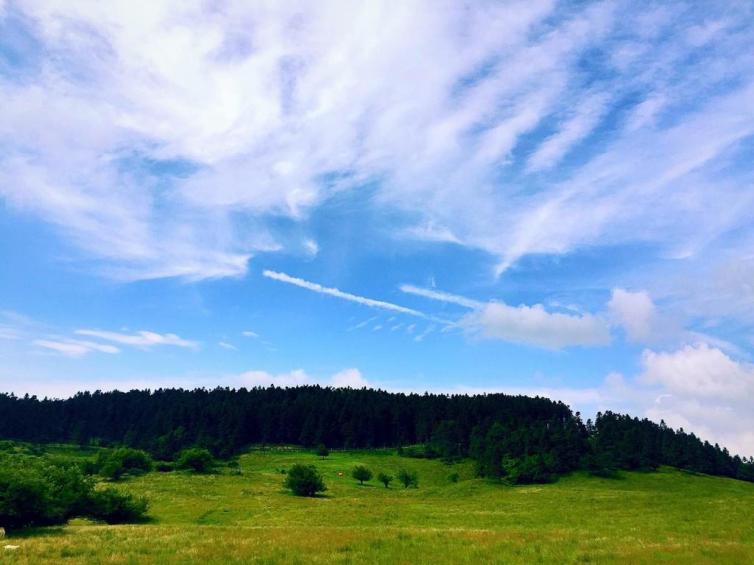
[322,450]
[385,479]
[361,474]
[304,480]
[408,478]
[196,459]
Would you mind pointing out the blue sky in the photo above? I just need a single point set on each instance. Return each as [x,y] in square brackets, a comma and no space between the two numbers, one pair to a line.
[535,197]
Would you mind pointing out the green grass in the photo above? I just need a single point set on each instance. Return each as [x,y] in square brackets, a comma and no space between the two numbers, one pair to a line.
[668,516]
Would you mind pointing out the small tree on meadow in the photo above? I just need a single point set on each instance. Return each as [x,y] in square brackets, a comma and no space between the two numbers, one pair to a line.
[385,479]
[304,480]
[408,478]
[322,450]
[361,474]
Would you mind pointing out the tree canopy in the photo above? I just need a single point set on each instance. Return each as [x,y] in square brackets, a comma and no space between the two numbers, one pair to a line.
[508,436]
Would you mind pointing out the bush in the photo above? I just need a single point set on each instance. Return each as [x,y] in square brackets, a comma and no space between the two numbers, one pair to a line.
[454,477]
[195,459]
[361,474]
[115,507]
[25,500]
[322,450]
[304,480]
[385,479]
[408,478]
[35,492]
[115,463]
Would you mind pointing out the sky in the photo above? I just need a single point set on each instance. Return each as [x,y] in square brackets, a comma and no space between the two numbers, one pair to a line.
[531,197]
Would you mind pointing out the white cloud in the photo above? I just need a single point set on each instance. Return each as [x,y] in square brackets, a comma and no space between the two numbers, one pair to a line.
[297,377]
[349,378]
[533,325]
[226,345]
[246,108]
[251,334]
[699,371]
[73,347]
[314,287]
[704,390]
[145,339]
[634,311]
[530,325]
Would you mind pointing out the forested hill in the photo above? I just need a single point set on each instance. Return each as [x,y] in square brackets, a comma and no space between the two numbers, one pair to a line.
[526,439]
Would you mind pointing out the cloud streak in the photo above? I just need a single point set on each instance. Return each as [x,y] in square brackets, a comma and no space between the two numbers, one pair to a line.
[142,339]
[441,296]
[318,288]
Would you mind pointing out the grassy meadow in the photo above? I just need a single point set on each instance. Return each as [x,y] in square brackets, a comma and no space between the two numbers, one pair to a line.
[244,515]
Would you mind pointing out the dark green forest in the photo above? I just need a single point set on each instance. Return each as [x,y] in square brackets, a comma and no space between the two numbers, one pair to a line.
[519,438]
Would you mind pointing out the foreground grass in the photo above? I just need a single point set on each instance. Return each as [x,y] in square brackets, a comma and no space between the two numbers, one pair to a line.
[667,516]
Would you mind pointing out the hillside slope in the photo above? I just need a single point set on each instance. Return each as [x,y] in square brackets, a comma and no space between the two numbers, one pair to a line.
[230,518]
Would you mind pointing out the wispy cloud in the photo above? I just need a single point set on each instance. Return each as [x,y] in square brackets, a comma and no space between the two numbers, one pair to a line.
[144,339]
[314,287]
[489,150]
[74,347]
[442,296]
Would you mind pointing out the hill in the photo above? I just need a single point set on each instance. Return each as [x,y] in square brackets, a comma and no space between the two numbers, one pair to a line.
[243,515]
[530,440]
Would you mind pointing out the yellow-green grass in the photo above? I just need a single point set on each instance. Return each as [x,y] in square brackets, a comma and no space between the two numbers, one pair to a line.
[668,516]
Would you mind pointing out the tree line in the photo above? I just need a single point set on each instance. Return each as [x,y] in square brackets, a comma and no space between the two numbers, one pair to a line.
[519,438]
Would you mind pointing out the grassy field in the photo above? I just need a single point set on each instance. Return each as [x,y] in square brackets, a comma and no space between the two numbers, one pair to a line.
[668,516]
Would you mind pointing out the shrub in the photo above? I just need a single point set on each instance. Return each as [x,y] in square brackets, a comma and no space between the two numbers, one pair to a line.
[361,474]
[115,507]
[115,463]
[304,480]
[408,478]
[322,450]
[34,492]
[25,500]
[196,459]
[385,479]
[454,477]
